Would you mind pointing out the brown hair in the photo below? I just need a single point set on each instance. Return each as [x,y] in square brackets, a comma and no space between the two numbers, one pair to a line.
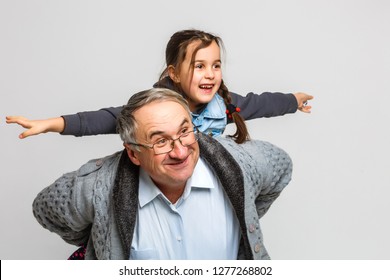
[175,54]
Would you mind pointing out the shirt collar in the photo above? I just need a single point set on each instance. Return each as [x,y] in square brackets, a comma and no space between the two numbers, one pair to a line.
[148,191]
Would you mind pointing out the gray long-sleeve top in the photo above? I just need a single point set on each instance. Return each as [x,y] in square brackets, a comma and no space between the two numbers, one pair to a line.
[252,106]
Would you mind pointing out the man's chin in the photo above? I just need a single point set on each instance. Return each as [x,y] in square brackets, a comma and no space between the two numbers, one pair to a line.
[180,176]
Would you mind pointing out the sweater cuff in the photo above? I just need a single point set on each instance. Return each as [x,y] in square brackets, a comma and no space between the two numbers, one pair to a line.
[293,103]
[72,125]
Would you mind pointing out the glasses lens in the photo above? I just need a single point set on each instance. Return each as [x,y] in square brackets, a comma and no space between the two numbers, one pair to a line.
[162,149]
[188,139]
[185,140]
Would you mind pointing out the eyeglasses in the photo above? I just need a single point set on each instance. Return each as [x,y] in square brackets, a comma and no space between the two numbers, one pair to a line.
[165,145]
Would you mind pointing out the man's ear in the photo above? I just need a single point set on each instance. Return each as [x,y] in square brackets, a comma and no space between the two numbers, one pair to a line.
[172,74]
[132,155]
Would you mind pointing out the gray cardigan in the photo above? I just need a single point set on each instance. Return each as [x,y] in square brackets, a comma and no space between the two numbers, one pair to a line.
[98,202]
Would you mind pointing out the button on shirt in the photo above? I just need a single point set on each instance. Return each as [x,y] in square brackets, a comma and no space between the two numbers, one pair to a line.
[200,225]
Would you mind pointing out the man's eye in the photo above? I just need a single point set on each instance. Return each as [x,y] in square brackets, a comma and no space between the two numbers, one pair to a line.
[162,142]
[185,134]
[185,131]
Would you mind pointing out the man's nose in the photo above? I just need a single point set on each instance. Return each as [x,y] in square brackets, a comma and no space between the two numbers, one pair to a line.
[178,150]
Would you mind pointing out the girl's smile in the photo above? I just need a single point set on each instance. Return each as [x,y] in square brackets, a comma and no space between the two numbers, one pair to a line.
[200,79]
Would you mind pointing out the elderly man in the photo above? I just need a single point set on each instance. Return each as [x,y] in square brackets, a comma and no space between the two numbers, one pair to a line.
[172,193]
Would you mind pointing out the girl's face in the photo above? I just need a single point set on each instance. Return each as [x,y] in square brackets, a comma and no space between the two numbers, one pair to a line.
[200,83]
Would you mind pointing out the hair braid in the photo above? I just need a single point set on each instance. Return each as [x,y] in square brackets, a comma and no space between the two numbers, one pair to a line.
[241,135]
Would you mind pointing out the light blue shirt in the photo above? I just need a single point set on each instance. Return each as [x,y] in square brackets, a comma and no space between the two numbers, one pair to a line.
[200,225]
[212,120]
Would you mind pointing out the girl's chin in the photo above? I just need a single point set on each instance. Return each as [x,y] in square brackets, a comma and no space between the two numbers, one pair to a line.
[205,97]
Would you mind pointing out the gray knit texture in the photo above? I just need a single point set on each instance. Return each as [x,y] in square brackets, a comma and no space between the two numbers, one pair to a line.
[98,203]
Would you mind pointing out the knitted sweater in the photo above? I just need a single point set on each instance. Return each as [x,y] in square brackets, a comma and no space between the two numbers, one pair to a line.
[98,202]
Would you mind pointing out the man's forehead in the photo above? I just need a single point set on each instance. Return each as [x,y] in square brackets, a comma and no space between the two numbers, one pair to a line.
[161,108]
[166,128]
[162,116]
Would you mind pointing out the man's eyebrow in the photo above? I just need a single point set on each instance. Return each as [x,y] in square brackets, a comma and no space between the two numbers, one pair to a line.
[159,132]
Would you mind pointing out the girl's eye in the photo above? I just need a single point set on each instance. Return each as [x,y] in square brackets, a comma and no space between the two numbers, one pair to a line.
[217,66]
[199,66]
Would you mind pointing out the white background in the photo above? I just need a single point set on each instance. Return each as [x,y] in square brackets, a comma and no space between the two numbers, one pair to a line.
[60,57]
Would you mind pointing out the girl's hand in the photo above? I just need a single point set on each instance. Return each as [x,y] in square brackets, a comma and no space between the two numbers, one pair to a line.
[35,127]
[302,99]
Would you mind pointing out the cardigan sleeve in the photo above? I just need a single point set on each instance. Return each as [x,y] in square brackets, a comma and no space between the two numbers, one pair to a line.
[66,207]
[279,171]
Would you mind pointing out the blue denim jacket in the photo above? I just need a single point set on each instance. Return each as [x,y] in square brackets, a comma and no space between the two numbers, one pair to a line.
[212,120]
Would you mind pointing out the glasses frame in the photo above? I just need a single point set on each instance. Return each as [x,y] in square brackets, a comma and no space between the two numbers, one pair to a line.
[196,135]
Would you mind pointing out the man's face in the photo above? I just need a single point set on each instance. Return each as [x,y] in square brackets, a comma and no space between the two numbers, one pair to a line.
[167,120]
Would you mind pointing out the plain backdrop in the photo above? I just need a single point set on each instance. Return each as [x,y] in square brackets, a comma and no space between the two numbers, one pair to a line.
[61,57]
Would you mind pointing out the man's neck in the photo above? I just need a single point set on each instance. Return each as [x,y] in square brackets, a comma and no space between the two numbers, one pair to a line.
[172,194]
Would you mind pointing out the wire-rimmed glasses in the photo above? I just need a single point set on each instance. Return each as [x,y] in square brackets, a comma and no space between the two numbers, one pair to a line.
[165,145]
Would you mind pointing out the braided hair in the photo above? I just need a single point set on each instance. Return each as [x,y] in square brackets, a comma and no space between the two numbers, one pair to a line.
[175,54]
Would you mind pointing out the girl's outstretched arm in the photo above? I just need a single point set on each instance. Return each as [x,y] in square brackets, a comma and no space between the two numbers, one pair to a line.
[35,127]
[102,121]
[88,123]
[270,104]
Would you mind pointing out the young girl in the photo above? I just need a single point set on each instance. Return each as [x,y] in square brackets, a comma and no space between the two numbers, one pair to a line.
[193,60]
[193,69]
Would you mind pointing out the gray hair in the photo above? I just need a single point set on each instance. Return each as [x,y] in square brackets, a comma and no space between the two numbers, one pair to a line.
[127,124]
